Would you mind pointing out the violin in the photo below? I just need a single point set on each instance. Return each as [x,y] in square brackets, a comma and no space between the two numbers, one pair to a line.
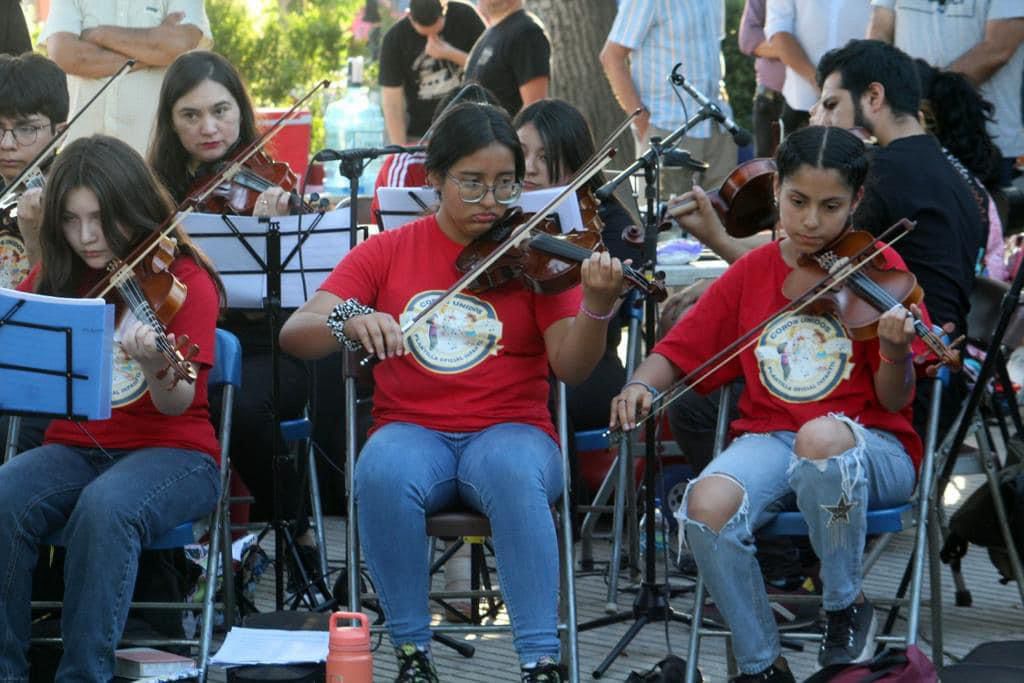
[152,293]
[549,262]
[867,293]
[237,196]
[833,272]
[745,203]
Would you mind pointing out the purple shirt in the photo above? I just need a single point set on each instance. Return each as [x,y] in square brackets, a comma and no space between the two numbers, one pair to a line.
[770,73]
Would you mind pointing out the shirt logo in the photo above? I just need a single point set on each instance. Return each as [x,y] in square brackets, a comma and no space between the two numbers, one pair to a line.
[802,358]
[458,337]
[14,264]
[129,383]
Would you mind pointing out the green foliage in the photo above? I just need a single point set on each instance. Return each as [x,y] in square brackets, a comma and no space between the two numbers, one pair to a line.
[282,52]
[739,68]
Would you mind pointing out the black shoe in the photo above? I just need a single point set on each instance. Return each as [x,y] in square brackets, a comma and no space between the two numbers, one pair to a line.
[414,665]
[773,674]
[849,635]
[547,670]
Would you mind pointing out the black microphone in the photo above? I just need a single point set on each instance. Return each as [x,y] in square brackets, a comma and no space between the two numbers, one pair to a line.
[363,152]
[682,158]
[741,136]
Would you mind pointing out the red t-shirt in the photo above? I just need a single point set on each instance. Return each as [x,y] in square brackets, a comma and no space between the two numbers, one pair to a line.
[135,421]
[399,170]
[480,362]
[799,367]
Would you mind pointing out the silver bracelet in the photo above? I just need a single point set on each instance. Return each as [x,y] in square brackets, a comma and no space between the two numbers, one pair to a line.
[349,308]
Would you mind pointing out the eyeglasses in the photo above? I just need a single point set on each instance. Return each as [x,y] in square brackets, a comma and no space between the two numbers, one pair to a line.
[24,134]
[474,191]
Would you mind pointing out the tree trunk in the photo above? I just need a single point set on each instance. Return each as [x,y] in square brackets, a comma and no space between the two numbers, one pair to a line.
[577,29]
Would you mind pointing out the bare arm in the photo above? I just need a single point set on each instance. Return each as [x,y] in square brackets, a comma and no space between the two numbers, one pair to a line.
[634,401]
[792,55]
[305,334]
[882,25]
[752,40]
[392,102]
[533,90]
[82,58]
[439,48]
[156,46]
[575,345]
[981,62]
[615,60]
[693,212]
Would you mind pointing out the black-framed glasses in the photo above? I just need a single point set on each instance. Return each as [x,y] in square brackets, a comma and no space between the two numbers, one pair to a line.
[473,191]
[25,134]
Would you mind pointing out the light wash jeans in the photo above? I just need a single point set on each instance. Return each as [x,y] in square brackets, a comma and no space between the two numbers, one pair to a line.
[510,472]
[875,473]
[113,503]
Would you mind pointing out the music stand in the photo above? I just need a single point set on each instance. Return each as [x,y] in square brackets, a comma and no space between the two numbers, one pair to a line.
[268,264]
[55,356]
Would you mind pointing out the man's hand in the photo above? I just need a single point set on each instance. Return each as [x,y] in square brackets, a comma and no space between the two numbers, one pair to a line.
[438,48]
[677,304]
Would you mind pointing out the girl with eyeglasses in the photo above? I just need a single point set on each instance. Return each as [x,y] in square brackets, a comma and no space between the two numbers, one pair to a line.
[460,406]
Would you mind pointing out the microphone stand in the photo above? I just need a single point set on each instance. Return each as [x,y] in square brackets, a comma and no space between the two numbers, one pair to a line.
[651,604]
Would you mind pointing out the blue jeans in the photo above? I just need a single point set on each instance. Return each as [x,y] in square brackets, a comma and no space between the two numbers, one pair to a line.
[510,472]
[875,473]
[112,503]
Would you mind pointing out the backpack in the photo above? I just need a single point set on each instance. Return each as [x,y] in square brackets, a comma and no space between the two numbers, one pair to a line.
[892,665]
[975,522]
[672,669]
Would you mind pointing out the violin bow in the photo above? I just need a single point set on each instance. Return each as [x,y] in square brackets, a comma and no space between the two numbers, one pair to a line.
[190,203]
[51,146]
[850,266]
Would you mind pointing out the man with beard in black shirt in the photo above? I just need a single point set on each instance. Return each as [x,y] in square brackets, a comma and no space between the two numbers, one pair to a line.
[512,58]
[874,85]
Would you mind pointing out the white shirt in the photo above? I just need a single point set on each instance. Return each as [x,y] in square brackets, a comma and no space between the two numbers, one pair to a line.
[819,26]
[663,33]
[940,37]
[127,110]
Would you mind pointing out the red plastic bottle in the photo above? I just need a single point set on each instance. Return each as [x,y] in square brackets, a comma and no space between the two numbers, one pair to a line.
[348,654]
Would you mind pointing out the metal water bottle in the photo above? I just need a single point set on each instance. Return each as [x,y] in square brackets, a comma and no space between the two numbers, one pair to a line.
[349,659]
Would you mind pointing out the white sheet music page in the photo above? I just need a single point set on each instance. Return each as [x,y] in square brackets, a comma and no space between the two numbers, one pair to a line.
[401,205]
[305,267]
[271,646]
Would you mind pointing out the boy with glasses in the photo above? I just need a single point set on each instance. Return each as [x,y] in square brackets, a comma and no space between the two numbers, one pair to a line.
[33,110]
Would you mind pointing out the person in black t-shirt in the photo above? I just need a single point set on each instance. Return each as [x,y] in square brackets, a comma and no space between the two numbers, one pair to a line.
[874,85]
[512,58]
[421,61]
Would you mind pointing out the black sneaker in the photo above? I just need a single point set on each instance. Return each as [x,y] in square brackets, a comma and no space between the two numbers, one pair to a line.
[773,674]
[546,670]
[414,665]
[849,635]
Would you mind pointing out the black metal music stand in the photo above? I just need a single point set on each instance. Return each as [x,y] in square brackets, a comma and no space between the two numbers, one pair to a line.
[269,267]
[651,604]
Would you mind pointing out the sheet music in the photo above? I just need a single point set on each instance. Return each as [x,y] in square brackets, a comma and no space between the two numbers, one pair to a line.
[271,646]
[327,239]
[401,205]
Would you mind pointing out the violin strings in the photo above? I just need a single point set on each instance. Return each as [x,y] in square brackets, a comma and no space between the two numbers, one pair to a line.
[140,308]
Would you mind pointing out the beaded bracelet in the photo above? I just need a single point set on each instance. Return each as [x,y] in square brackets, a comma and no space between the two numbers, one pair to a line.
[594,316]
[349,308]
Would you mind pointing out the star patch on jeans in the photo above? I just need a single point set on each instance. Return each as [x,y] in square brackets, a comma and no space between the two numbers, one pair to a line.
[840,512]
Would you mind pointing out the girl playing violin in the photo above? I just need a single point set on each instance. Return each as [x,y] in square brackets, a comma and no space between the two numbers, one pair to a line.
[827,419]
[203,118]
[460,407]
[114,484]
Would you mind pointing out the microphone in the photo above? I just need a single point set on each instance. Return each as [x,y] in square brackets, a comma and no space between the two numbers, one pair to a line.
[363,152]
[741,136]
[680,157]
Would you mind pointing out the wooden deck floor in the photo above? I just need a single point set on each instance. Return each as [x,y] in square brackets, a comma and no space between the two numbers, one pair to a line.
[996,614]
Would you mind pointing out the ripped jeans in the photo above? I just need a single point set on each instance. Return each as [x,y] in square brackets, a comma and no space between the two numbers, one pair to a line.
[875,473]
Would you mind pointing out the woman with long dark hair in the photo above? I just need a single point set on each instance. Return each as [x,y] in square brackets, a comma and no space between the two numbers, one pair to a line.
[114,484]
[460,407]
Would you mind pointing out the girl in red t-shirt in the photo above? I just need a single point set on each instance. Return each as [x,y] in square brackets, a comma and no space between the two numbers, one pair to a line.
[826,418]
[115,484]
[460,404]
